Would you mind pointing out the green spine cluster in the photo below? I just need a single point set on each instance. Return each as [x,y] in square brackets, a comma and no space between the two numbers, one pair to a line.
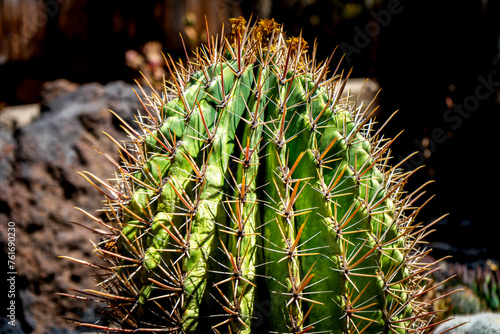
[255,198]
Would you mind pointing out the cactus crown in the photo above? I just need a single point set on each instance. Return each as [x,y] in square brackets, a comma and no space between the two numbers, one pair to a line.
[255,198]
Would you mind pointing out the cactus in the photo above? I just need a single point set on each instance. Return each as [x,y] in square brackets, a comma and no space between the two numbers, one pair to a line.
[478,280]
[255,198]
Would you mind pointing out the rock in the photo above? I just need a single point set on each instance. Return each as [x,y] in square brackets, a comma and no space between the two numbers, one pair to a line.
[40,190]
[7,153]
[364,90]
[53,89]
[481,323]
[26,91]
[18,116]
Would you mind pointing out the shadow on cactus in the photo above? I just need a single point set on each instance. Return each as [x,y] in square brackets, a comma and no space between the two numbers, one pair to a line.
[254,198]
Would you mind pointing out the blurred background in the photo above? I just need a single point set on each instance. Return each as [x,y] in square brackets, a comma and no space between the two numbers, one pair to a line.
[64,63]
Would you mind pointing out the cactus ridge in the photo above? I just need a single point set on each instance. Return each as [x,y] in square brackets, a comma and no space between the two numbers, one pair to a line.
[255,198]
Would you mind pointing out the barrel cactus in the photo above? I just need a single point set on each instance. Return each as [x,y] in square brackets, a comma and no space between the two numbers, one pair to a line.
[254,198]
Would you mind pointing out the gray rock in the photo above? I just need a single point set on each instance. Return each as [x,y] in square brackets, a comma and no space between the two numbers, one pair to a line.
[481,323]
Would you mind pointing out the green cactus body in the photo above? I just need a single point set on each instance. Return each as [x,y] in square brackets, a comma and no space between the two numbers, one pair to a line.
[258,200]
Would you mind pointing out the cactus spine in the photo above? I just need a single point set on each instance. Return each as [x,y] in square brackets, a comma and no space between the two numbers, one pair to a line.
[254,198]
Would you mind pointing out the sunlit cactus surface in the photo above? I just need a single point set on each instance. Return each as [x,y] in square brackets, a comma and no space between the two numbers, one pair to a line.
[254,198]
